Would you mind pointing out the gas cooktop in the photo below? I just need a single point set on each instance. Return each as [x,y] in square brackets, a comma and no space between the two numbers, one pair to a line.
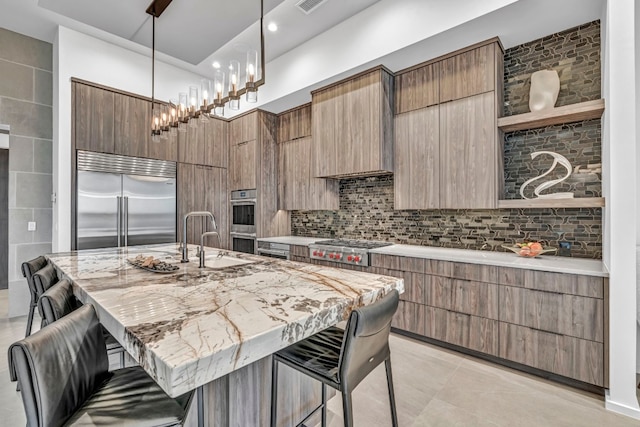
[345,251]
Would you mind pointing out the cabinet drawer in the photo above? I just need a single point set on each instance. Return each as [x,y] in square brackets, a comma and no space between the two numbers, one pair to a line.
[413,285]
[299,250]
[465,271]
[475,333]
[393,262]
[571,315]
[409,317]
[575,358]
[588,286]
[463,296]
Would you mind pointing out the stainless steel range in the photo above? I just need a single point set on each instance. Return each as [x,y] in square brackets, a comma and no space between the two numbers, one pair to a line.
[354,252]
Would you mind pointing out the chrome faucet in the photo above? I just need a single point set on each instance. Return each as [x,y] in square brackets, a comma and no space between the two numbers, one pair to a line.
[202,236]
[185,250]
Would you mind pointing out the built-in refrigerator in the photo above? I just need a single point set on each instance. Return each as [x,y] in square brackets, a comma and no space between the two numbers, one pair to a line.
[124,201]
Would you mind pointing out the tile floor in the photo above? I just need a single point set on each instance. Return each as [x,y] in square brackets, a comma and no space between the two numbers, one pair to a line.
[434,387]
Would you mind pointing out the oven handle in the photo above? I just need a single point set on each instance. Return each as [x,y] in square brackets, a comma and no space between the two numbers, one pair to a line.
[247,235]
[244,202]
[273,252]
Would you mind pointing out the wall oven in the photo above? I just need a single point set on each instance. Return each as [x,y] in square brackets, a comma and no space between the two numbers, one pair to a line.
[243,221]
[274,250]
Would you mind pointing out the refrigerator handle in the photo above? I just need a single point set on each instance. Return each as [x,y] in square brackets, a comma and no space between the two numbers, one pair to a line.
[119,218]
[126,221]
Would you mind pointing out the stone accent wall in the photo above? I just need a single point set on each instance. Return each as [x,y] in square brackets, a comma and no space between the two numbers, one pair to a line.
[366,204]
[366,212]
[26,106]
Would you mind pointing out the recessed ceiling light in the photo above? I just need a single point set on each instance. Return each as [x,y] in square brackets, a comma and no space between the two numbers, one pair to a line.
[216,64]
[272,27]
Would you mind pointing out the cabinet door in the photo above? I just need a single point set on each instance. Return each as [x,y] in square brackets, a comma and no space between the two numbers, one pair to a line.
[216,146]
[94,118]
[191,145]
[244,128]
[469,153]
[188,202]
[418,88]
[469,73]
[298,189]
[327,125]
[242,165]
[294,124]
[132,126]
[417,159]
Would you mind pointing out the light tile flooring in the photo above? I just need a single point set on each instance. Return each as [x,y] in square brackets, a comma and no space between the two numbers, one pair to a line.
[434,387]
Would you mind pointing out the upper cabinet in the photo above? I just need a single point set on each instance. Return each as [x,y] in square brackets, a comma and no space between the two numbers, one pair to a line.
[243,133]
[298,189]
[132,125]
[93,118]
[352,126]
[204,143]
[448,152]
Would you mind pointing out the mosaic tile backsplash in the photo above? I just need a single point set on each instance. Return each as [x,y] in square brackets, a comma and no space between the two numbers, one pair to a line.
[366,204]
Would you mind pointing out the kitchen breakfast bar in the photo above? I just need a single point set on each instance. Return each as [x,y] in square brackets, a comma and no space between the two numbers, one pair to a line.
[216,327]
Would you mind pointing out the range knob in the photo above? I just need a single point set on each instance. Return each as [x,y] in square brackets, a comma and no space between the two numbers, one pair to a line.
[357,258]
[338,256]
[331,256]
[315,253]
[350,258]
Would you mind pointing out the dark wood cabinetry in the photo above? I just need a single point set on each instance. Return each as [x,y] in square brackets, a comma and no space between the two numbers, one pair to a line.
[204,143]
[94,111]
[132,126]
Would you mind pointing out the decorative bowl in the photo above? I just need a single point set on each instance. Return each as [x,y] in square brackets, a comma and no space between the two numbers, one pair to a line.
[526,252]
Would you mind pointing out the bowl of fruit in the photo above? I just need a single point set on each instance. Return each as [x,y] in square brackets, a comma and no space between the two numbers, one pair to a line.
[529,249]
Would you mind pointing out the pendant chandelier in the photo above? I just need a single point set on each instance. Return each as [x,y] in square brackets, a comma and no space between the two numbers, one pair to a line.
[211,98]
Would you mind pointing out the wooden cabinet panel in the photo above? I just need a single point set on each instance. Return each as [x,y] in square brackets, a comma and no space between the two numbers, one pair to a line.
[393,262]
[165,149]
[132,126]
[243,128]
[417,159]
[575,358]
[468,73]
[467,331]
[417,88]
[299,250]
[352,126]
[571,315]
[242,165]
[414,286]
[469,164]
[298,189]
[476,298]
[94,118]
[294,124]
[510,276]
[216,145]
[588,286]
[409,317]
[191,143]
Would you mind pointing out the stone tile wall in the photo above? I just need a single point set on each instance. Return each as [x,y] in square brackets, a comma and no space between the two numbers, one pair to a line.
[366,204]
[26,106]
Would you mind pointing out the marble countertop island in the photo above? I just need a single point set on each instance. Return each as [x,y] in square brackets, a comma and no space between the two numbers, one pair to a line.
[193,326]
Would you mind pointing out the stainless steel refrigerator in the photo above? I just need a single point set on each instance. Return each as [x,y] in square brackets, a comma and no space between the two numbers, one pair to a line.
[124,201]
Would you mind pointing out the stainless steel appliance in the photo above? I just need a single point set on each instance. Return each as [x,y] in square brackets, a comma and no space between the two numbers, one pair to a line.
[274,250]
[345,251]
[124,201]
[243,221]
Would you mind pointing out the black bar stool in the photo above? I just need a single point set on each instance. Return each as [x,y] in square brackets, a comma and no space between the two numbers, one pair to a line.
[342,359]
[28,269]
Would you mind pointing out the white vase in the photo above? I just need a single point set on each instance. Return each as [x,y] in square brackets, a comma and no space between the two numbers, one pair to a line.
[545,85]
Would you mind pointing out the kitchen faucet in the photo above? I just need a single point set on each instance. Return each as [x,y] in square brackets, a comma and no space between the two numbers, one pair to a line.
[185,250]
[202,236]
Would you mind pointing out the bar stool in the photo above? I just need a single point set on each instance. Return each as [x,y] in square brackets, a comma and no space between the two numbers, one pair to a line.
[59,300]
[28,268]
[57,392]
[342,359]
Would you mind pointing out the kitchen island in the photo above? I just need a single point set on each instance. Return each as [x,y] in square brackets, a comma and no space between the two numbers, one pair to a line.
[217,326]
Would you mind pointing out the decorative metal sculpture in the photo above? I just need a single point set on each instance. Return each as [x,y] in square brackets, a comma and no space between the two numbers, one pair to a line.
[557,159]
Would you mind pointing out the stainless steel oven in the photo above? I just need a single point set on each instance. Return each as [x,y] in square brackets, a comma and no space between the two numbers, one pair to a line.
[243,221]
[274,250]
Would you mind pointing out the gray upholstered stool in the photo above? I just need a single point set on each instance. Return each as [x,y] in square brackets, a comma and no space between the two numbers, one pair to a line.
[56,392]
[28,269]
[58,301]
[342,359]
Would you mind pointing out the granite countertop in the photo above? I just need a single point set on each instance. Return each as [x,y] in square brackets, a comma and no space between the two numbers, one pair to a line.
[557,264]
[194,325]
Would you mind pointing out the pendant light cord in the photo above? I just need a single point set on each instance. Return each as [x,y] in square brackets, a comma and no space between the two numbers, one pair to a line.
[153,63]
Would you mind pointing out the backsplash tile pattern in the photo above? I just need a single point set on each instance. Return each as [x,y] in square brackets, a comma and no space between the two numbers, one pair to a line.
[366,204]
[366,212]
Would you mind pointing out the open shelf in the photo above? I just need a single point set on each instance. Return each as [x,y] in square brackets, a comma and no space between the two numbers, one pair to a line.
[581,202]
[566,114]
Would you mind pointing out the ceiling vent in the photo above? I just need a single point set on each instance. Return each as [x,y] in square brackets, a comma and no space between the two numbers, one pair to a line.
[308,6]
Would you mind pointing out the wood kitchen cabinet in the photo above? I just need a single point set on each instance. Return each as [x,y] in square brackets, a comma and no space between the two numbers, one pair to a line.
[352,126]
[93,118]
[242,165]
[448,151]
[203,188]
[204,143]
[132,126]
[298,189]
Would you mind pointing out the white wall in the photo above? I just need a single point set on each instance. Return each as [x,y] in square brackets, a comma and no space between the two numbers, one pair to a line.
[85,57]
[619,189]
